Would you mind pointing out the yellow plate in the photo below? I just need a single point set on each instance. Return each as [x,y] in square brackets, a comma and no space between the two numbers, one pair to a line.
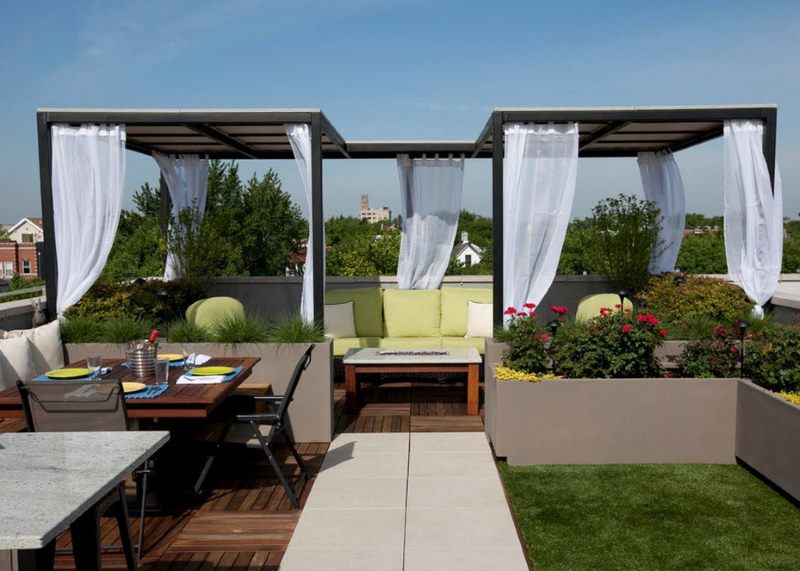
[132,387]
[201,371]
[170,356]
[75,373]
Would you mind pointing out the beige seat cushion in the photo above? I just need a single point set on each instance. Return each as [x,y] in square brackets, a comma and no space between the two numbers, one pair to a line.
[47,353]
[16,361]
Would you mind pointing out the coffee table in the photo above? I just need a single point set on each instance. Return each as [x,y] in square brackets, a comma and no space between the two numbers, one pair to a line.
[457,360]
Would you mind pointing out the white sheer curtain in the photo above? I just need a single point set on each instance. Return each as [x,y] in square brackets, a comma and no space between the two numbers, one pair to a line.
[300,139]
[662,184]
[88,178]
[539,174]
[430,200]
[753,214]
[187,181]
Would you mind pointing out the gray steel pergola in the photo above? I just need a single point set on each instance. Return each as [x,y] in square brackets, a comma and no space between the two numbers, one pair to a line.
[259,134]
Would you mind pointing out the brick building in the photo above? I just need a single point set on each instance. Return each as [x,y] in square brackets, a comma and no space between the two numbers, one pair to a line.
[20,255]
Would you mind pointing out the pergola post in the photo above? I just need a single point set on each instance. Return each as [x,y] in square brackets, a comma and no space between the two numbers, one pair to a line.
[317,220]
[769,142]
[498,146]
[48,217]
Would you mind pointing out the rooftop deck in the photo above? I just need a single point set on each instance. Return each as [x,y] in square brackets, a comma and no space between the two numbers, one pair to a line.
[245,521]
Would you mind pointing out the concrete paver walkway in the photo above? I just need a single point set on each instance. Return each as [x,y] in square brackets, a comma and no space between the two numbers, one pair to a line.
[400,501]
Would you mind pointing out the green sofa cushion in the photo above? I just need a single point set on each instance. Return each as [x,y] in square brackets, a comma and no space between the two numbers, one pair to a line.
[454,308]
[590,305]
[342,344]
[367,308]
[209,312]
[411,313]
[457,342]
[411,343]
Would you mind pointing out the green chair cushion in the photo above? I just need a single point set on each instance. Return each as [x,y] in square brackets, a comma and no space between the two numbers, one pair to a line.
[342,344]
[454,308]
[209,312]
[367,308]
[457,342]
[411,313]
[411,343]
[590,305]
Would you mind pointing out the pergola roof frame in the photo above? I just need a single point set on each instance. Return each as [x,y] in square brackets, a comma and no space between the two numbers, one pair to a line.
[259,134]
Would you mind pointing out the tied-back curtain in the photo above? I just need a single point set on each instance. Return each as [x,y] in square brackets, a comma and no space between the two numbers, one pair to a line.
[753,213]
[88,178]
[300,139]
[187,180]
[430,199]
[662,184]
[539,174]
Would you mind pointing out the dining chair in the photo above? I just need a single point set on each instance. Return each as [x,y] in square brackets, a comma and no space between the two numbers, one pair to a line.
[86,406]
[259,430]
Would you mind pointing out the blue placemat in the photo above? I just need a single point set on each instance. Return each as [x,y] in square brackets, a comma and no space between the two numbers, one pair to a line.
[87,378]
[151,392]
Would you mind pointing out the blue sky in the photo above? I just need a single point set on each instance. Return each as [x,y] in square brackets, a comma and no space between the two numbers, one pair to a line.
[400,70]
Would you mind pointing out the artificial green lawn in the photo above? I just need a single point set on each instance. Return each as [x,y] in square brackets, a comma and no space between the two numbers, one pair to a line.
[652,517]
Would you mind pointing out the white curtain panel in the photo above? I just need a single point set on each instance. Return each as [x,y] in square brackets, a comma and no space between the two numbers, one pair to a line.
[753,214]
[187,181]
[430,199]
[88,178]
[662,184]
[300,139]
[539,174]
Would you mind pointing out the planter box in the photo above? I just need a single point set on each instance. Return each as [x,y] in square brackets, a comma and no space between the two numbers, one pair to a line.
[606,421]
[311,411]
[768,436]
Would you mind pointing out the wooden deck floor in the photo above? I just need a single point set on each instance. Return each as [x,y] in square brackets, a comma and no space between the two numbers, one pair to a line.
[245,521]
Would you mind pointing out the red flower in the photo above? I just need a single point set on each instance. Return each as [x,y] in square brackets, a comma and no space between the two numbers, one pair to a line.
[510,311]
[604,311]
[522,314]
[529,305]
[641,318]
[533,314]
[544,337]
[667,374]
[734,350]
[618,305]
[627,310]
[559,310]
[626,328]
[663,332]
[719,331]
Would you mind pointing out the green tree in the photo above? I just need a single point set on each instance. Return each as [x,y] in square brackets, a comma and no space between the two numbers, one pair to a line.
[696,220]
[703,254]
[4,237]
[576,255]
[366,256]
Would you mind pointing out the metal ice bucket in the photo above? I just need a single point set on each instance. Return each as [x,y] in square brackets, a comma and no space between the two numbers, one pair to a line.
[141,355]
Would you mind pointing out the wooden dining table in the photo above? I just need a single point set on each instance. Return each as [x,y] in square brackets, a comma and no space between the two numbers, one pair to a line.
[178,401]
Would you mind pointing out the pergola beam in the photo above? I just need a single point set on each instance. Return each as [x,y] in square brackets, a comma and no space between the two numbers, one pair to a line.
[601,132]
[223,138]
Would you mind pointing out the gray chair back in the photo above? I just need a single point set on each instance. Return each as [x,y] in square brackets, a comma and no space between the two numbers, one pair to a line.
[74,406]
[288,395]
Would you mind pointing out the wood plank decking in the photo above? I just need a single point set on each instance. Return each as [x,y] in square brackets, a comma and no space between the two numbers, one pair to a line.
[245,521]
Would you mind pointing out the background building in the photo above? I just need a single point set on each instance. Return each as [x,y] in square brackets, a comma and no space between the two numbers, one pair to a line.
[373,215]
[466,253]
[20,253]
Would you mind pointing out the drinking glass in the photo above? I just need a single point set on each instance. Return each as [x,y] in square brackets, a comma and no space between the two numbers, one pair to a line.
[162,371]
[94,362]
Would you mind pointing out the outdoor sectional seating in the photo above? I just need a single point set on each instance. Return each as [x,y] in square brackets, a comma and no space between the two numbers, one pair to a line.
[409,319]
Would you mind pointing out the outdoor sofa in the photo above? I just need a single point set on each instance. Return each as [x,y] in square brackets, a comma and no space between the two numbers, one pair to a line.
[413,319]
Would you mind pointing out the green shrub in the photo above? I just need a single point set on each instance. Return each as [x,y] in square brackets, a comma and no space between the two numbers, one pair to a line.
[293,329]
[81,330]
[124,329]
[622,237]
[717,355]
[142,300]
[241,330]
[612,345]
[183,331]
[773,359]
[697,299]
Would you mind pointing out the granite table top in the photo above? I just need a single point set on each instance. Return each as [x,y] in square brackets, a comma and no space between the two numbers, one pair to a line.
[48,479]
[450,356]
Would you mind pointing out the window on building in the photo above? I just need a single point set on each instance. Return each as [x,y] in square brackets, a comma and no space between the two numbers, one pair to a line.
[26,267]
[28,238]
[8,269]
[468,259]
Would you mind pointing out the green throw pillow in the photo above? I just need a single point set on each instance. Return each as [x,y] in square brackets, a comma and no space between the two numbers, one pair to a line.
[411,313]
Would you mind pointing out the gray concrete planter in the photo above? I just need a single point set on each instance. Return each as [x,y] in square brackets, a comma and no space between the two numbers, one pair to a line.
[768,436]
[605,421]
[311,411]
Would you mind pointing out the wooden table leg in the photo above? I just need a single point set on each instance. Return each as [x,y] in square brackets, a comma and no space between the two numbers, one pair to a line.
[473,375]
[350,389]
